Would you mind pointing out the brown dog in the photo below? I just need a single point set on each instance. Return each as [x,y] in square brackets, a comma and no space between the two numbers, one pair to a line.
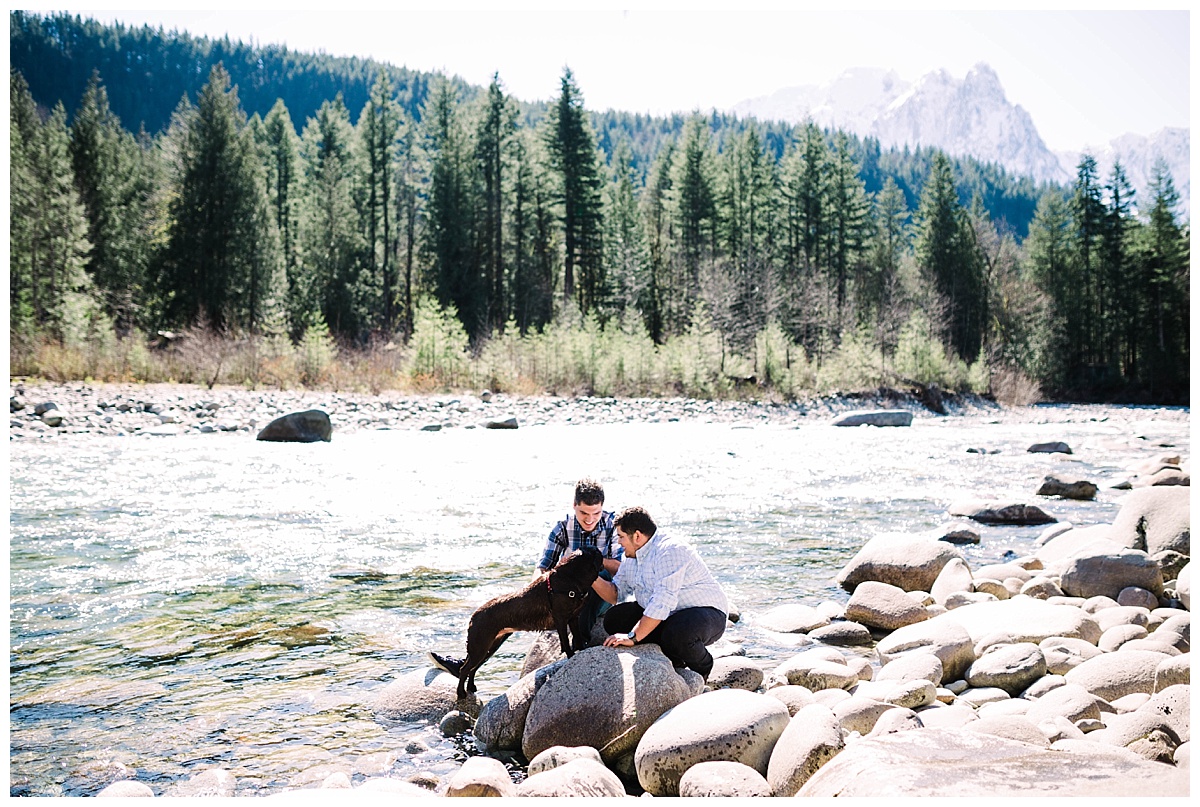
[552,600]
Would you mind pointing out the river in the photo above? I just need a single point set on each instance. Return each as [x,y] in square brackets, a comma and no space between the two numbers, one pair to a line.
[181,603]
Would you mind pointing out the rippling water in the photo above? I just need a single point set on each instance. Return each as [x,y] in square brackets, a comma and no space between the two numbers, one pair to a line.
[183,603]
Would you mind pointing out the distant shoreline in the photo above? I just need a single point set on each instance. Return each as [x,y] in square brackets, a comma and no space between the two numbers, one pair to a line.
[182,409]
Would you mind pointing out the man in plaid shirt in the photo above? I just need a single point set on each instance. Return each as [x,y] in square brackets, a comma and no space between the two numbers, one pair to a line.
[588,524]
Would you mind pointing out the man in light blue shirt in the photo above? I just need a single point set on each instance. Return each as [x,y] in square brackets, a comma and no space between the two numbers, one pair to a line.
[677,604]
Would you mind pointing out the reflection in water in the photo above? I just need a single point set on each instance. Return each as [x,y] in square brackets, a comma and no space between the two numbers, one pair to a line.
[182,603]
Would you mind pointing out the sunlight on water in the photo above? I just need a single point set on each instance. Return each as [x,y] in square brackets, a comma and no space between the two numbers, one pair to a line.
[178,603]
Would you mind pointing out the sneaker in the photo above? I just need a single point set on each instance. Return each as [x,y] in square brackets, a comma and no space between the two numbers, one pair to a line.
[448,663]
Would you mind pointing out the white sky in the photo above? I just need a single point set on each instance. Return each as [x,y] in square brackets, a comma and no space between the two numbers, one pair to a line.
[1084,75]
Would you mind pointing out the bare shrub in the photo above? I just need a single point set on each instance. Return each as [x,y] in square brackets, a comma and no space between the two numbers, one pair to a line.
[1010,386]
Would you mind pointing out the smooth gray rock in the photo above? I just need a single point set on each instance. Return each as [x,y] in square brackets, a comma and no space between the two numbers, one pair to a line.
[126,789]
[908,694]
[885,606]
[792,696]
[954,578]
[579,777]
[811,739]
[859,713]
[726,724]
[1168,711]
[561,755]
[843,634]
[1138,598]
[951,762]
[944,637]
[908,563]
[502,423]
[896,720]
[1000,512]
[960,537]
[570,709]
[310,426]
[1064,653]
[1173,671]
[723,779]
[1098,572]
[1070,701]
[875,417]
[816,669]
[1067,488]
[1013,727]
[735,672]
[1118,635]
[912,667]
[793,618]
[1155,519]
[1114,675]
[214,782]
[1022,619]
[481,776]
[1055,447]
[424,694]
[1183,587]
[1011,667]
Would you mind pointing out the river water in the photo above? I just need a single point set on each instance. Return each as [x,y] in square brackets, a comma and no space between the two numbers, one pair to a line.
[183,603]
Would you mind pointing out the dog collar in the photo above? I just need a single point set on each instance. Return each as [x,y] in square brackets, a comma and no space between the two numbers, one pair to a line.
[572,593]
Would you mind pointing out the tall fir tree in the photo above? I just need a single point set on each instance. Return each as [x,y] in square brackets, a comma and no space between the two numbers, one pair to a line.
[625,237]
[493,143]
[378,131]
[284,174]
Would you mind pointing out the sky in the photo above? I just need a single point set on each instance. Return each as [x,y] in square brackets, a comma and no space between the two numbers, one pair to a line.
[1084,75]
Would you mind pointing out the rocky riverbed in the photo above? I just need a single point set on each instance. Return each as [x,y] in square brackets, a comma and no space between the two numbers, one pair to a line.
[40,410]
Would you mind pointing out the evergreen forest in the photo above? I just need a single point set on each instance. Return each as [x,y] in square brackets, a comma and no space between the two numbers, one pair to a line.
[248,214]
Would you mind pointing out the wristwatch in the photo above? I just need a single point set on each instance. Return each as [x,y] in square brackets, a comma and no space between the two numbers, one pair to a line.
[632,636]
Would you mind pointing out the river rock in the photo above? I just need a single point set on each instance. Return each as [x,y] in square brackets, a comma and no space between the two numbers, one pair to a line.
[1091,572]
[579,777]
[951,716]
[1168,711]
[1067,488]
[561,755]
[960,537]
[945,638]
[908,563]
[454,723]
[570,709]
[792,696]
[859,713]
[885,606]
[1155,519]
[793,618]
[1137,597]
[310,426]
[907,694]
[734,672]
[896,720]
[816,669]
[1113,675]
[811,739]
[1072,542]
[1011,667]
[501,423]
[1013,727]
[1022,619]
[912,667]
[1183,587]
[950,762]
[214,782]
[954,578]
[126,789]
[1173,671]
[843,634]
[1056,447]
[424,694]
[382,784]
[875,417]
[726,724]
[722,779]
[1118,635]
[546,649]
[1070,701]
[1000,512]
[481,776]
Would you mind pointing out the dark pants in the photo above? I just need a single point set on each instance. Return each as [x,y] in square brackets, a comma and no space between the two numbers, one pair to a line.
[682,636]
[593,606]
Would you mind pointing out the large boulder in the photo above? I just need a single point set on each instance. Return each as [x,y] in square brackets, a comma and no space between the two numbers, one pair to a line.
[1054,447]
[310,426]
[481,776]
[882,605]
[1154,520]
[1011,667]
[723,779]
[1070,701]
[726,724]
[570,709]
[947,763]
[812,738]
[875,417]
[793,618]
[945,638]
[1093,573]
[1000,512]
[579,777]
[906,562]
[1115,675]
[1068,543]
[424,694]
[912,667]
[501,721]
[735,672]
[955,578]
[1023,619]
[1168,711]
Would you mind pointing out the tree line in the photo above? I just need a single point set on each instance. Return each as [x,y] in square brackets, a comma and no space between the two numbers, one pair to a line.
[511,220]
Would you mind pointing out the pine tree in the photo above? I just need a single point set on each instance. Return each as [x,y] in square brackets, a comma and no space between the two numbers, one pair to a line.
[847,220]
[533,224]
[625,238]
[1117,309]
[378,130]
[497,126]
[878,283]
[1049,251]
[660,239]
[1087,209]
[284,173]
[1164,276]
[693,209]
[572,150]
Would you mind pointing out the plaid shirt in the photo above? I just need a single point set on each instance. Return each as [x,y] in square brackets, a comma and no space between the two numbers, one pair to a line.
[567,536]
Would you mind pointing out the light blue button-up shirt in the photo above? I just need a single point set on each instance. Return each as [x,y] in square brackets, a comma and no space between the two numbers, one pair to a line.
[667,576]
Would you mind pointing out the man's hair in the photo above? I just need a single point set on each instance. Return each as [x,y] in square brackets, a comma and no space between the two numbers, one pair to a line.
[635,519]
[589,491]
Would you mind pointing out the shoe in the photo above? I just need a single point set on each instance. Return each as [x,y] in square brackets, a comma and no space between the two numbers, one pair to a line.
[448,663]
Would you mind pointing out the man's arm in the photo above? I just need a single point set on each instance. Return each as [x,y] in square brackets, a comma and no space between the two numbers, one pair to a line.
[611,565]
[606,590]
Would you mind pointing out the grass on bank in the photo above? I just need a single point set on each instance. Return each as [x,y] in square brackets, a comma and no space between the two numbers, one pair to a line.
[566,358]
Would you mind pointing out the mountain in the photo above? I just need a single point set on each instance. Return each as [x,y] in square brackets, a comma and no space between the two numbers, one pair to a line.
[971,117]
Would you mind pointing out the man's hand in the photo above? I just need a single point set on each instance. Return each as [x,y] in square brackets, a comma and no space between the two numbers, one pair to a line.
[618,640]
